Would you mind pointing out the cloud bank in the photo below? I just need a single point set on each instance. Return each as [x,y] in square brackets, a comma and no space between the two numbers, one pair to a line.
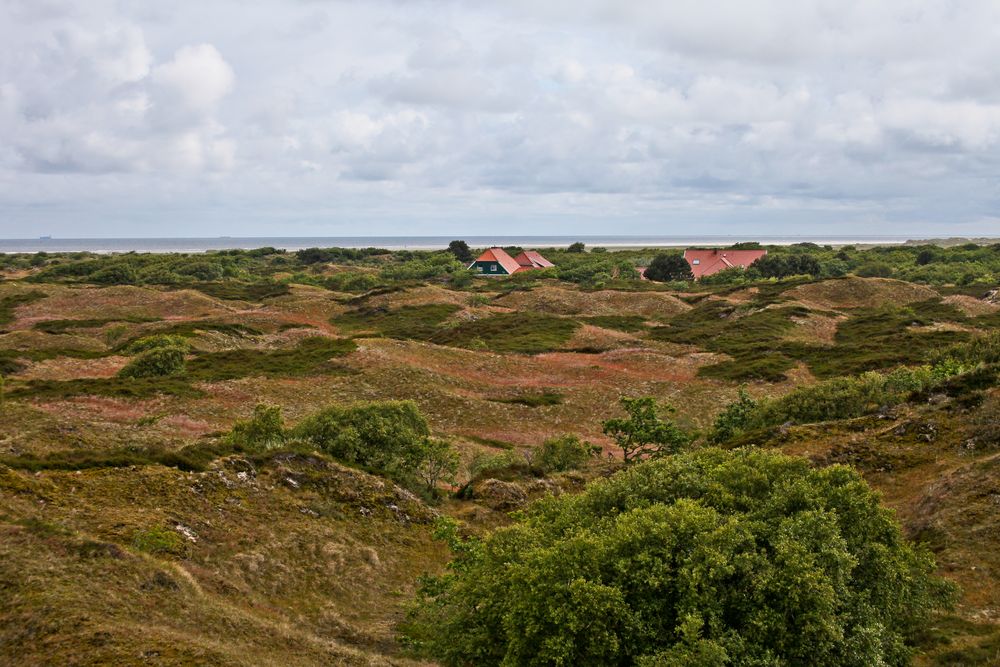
[122,118]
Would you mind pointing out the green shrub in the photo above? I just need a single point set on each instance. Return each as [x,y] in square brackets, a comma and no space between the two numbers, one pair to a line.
[157,341]
[386,436]
[533,400]
[566,452]
[264,430]
[438,462]
[486,464]
[414,322]
[735,417]
[743,557]
[156,362]
[159,540]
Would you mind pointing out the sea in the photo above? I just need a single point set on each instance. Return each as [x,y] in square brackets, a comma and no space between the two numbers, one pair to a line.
[196,245]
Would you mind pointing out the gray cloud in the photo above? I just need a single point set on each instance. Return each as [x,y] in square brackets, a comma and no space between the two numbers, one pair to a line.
[587,116]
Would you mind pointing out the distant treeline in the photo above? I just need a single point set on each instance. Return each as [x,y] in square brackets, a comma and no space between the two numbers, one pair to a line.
[363,269]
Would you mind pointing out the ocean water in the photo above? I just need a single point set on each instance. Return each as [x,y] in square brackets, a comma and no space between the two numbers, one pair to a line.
[191,245]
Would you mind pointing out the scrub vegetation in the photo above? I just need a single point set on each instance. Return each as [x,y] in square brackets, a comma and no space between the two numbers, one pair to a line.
[357,456]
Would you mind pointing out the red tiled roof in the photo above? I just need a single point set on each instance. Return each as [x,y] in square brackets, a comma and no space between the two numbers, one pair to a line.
[707,262]
[530,259]
[499,256]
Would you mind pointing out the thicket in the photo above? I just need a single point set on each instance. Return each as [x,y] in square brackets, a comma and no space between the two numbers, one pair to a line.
[707,558]
[155,362]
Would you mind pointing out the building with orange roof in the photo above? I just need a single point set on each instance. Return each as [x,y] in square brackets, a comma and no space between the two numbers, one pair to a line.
[496,262]
[706,262]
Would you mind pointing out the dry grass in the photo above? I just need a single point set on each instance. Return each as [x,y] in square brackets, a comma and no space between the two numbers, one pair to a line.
[563,301]
[855,292]
[295,561]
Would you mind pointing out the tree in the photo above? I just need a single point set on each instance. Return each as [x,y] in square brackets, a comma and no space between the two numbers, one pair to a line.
[708,558]
[576,247]
[643,434]
[438,462]
[667,267]
[736,417]
[460,249]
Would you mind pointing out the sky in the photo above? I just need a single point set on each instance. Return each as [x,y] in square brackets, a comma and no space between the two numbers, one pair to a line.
[131,118]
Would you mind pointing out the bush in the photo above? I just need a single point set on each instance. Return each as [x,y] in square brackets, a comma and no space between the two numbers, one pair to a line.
[743,557]
[386,436]
[264,430]
[735,418]
[159,540]
[566,452]
[576,247]
[121,274]
[157,362]
[874,270]
[157,341]
[669,267]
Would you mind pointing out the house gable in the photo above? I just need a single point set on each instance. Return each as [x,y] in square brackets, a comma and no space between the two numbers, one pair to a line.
[708,262]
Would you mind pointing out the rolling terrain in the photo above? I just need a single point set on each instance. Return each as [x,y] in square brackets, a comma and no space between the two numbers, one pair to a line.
[132,533]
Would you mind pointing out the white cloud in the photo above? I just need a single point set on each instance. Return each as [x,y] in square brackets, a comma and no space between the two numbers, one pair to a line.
[615,111]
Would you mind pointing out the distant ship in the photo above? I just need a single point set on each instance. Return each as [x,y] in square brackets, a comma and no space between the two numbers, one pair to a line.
[44,238]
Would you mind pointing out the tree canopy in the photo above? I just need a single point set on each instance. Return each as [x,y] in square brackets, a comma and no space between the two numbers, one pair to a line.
[667,267]
[709,558]
[643,433]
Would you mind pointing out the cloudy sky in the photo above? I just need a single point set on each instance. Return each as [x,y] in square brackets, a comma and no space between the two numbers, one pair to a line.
[325,117]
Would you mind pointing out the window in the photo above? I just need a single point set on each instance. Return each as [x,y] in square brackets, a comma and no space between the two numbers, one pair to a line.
[493,268]
[696,262]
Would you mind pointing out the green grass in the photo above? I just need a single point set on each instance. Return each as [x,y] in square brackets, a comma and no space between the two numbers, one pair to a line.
[627,323]
[533,400]
[190,329]
[751,339]
[114,387]
[407,322]
[881,338]
[526,333]
[12,301]
[194,457]
[62,326]
[312,356]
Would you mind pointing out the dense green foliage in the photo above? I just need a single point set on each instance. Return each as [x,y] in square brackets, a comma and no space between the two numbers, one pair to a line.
[566,452]
[709,558]
[155,362]
[667,267]
[643,433]
[312,356]
[389,437]
[416,322]
[264,430]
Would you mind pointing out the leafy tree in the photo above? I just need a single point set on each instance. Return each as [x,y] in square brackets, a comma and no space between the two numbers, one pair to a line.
[667,267]
[264,429]
[157,362]
[736,417]
[438,463]
[460,249]
[576,247]
[710,558]
[782,266]
[643,434]
[563,453]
